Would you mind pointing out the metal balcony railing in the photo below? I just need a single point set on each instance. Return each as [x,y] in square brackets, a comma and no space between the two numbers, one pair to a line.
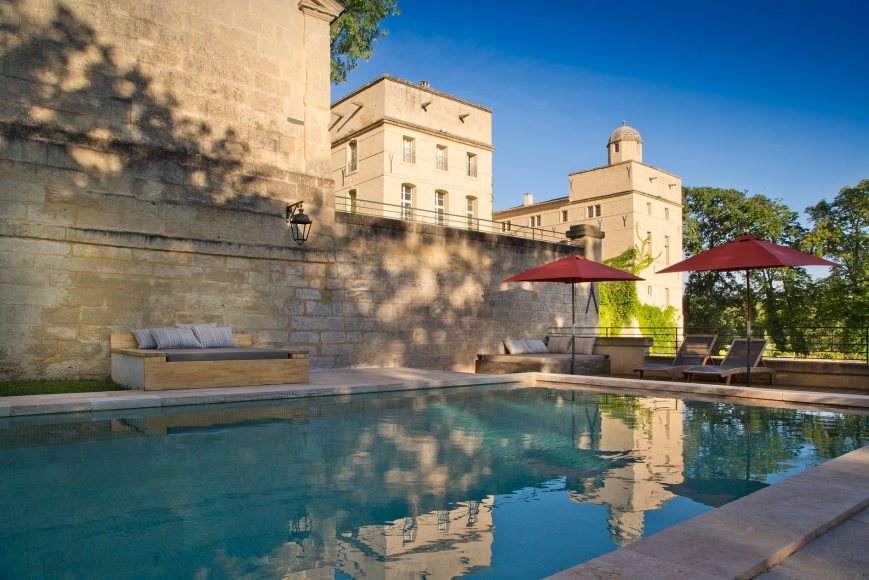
[352,165]
[408,156]
[440,218]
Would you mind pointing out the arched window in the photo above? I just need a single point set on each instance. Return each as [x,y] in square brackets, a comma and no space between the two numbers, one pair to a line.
[407,190]
[471,212]
[440,207]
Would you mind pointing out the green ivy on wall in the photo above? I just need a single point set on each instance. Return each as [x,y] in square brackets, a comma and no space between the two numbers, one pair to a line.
[620,305]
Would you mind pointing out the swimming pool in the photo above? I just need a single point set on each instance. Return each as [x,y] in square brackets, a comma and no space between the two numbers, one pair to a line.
[498,482]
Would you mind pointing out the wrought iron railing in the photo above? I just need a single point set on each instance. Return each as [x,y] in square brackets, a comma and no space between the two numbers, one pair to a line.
[448,220]
[825,342]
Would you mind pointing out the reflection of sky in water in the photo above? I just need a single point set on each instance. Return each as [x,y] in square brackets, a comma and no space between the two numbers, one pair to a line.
[501,483]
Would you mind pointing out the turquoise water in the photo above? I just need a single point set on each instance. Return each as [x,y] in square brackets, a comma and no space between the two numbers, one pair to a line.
[488,482]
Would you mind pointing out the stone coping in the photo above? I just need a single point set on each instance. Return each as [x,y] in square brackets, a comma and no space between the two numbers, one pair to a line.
[748,536]
[373,380]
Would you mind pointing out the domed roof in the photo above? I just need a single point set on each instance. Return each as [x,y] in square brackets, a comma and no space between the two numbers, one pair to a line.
[625,133]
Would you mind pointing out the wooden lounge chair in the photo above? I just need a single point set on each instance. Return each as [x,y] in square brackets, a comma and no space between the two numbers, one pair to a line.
[734,363]
[693,352]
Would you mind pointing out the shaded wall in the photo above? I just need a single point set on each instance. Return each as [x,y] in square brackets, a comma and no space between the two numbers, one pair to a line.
[147,151]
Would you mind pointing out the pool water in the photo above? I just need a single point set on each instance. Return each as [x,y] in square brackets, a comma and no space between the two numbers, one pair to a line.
[495,482]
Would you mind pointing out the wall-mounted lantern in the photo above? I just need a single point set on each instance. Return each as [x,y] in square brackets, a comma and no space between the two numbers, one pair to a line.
[298,222]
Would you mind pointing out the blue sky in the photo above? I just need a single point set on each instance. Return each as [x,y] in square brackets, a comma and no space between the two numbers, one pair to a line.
[767,96]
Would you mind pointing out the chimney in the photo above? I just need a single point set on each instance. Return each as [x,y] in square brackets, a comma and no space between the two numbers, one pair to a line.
[529,199]
[424,84]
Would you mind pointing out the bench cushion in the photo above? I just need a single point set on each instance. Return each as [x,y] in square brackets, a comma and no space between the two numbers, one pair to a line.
[205,354]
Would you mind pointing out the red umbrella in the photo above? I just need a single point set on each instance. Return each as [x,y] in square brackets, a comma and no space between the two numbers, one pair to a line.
[746,253]
[571,270]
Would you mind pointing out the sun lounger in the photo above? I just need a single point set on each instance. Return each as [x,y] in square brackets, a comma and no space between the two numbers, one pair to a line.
[693,352]
[734,363]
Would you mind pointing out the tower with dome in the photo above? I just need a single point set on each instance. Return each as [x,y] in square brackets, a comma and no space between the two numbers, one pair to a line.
[633,203]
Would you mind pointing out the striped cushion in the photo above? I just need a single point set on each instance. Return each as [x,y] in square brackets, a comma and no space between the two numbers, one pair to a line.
[559,344]
[175,338]
[515,346]
[536,346]
[144,338]
[214,337]
[585,345]
[195,324]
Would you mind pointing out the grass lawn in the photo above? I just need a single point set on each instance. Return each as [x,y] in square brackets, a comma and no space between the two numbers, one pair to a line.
[13,388]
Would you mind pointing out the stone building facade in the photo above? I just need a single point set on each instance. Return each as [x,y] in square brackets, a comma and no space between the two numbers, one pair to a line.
[147,153]
[426,154]
[631,202]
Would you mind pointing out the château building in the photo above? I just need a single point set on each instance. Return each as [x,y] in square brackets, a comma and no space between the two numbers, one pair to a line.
[631,202]
[404,150]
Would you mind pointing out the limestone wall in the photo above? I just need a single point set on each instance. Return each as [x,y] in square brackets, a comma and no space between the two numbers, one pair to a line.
[147,151]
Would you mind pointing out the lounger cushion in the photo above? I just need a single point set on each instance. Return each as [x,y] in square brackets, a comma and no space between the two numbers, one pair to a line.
[209,354]
[542,357]
[175,338]
[215,337]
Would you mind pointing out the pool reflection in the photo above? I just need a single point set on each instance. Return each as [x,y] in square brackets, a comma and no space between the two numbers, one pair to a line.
[432,485]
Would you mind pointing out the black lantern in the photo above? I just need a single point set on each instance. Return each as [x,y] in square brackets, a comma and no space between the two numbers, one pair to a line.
[298,222]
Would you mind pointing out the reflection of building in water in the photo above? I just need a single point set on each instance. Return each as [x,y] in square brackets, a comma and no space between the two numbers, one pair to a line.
[651,431]
[438,544]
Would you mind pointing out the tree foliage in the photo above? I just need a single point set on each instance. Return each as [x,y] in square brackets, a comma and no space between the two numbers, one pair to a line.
[355,32]
[787,301]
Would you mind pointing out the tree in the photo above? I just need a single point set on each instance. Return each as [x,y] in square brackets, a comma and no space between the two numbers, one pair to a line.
[841,233]
[355,32]
[717,299]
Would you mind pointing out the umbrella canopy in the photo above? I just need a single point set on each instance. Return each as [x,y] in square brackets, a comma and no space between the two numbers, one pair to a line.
[572,270]
[746,253]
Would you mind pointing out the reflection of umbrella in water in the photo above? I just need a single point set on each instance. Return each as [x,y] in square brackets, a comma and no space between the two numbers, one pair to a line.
[715,492]
[572,270]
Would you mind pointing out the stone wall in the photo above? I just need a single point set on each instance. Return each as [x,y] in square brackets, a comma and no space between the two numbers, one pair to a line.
[147,151]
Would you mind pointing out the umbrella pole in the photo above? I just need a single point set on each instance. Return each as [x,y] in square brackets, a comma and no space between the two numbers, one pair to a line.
[572,327]
[748,329]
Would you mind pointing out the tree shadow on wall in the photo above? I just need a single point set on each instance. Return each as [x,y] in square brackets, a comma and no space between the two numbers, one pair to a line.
[67,91]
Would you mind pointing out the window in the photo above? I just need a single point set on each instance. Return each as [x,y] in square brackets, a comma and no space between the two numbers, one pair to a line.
[407,202]
[471,212]
[666,249]
[563,216]
[649,208]
[440,207]
[471,165]
[666,213]
[408,150]
[592,211]
[442,158]
[648,243]
[667,296]
[535,221]
[506,226]
[648,290]
[352,157]
[352,200]
[616,147]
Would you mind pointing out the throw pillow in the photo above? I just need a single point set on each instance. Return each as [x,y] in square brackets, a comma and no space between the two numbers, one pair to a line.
[515,346]
[585,345]
[144,338]
[536,346]
[191,326]
[214,336]
[175,338]
[559,344]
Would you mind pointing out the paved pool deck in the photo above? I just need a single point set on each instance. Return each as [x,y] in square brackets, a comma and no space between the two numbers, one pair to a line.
[814,524]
